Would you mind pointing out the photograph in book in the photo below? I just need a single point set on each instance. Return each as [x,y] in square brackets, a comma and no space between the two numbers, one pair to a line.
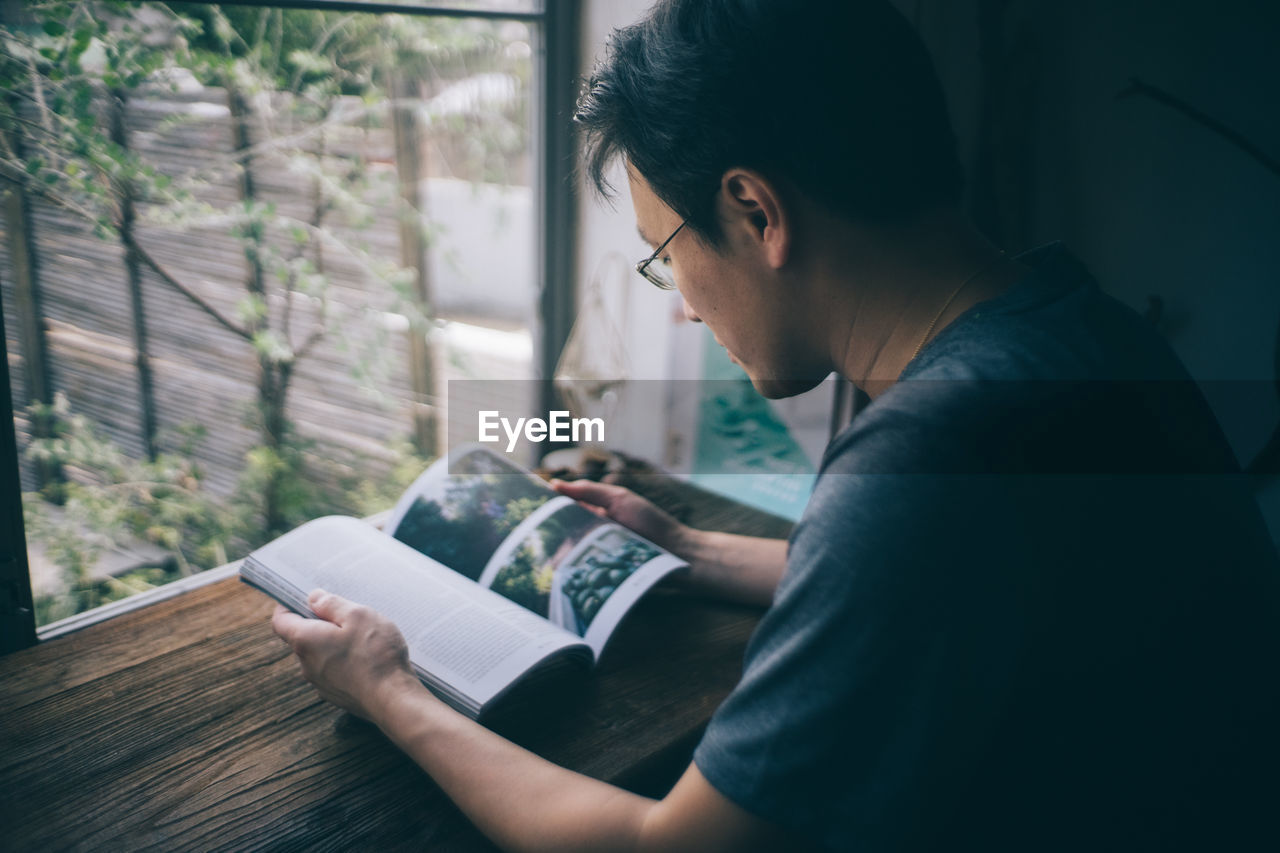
[467,644]
[595,572]
[490,574]
[461,515]
[525,573]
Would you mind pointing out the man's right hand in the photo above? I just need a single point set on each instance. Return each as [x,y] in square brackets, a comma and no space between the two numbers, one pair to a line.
[724,565]
[632,511]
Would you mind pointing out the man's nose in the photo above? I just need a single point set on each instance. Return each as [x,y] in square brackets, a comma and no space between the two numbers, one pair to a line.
[690,314]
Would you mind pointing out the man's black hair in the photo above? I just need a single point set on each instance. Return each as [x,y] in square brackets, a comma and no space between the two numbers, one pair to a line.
[837,97]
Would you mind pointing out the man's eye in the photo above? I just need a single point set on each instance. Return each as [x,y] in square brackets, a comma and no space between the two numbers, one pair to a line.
[666,261]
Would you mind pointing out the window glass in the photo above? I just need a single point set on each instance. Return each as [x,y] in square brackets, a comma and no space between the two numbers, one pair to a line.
[491,5]
[243,251]
[516,6]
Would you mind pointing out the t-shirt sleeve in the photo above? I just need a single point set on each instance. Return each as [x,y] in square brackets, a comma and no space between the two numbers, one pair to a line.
[879,671]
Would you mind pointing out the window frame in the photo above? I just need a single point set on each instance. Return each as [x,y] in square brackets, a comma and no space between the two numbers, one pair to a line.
[17,608]
[555,31]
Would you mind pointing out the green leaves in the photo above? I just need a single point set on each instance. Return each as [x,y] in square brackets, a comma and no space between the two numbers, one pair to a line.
[311,64]
[105,499]
[317,276]
[252,310]
[272,348]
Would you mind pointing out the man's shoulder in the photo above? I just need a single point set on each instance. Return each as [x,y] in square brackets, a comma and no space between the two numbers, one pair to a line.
[1054,324]
[1051,377]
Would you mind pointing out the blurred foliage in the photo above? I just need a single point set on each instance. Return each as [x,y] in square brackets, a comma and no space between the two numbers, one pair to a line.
[103,499]
[517,511]
[306,76]
[477,511]
[372,495]
[524,582]
[463,542]
[60,78]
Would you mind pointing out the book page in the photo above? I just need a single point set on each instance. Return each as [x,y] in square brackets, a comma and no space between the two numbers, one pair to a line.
[462,508]
[598,581]
[465,640]
[577,570]
[499,525]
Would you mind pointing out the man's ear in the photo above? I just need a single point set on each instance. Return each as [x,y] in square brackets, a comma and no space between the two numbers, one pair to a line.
[756,207]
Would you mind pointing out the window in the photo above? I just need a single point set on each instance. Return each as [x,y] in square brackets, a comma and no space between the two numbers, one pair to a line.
[245,246]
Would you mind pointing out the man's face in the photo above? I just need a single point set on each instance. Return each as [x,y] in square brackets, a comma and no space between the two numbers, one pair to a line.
[743,304]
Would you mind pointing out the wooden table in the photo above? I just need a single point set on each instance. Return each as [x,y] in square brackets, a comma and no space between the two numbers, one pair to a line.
[186,725]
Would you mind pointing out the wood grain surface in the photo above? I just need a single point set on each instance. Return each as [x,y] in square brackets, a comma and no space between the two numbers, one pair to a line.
[187,726]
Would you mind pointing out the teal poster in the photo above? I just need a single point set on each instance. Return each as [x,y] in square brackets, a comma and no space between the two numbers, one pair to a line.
[742,449]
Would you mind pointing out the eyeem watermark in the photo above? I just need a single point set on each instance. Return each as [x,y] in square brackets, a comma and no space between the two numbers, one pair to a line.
[558,427]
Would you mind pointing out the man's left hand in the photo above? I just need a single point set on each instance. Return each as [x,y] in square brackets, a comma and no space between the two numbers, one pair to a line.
[354,656]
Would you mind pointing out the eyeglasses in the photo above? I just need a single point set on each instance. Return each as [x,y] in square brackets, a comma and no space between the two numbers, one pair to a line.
[660,277]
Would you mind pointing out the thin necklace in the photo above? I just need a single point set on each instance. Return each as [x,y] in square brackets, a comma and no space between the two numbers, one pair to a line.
[952,298]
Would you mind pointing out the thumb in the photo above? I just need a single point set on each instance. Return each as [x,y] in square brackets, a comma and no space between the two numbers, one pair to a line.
[330,607]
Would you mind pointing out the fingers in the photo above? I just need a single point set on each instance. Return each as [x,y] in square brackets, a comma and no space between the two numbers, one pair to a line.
[286,623]
[332,610]
[298,630]
[330,607]
[588,491]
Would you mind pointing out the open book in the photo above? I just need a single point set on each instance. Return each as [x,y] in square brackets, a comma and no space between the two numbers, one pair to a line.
[490,575]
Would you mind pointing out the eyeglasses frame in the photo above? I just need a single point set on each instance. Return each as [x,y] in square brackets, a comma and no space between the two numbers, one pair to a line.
[643,266]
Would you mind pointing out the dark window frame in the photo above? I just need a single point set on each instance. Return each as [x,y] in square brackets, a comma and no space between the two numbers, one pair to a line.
[555,28]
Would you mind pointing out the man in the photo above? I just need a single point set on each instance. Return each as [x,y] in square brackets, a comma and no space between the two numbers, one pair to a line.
[1028,607]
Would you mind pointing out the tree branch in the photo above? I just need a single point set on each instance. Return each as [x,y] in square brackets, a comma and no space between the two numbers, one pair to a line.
[148,259]
[310,343]
[18,176]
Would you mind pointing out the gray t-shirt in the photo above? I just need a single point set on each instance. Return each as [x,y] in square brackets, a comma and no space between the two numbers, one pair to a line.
[1031,605]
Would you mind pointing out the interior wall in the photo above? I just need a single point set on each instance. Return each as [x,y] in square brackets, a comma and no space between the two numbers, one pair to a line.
[608,227]
[608,246]
[1152,202]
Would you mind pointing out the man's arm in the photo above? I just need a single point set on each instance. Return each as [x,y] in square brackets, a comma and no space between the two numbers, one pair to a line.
[734,567]
[358,660]
[738,568]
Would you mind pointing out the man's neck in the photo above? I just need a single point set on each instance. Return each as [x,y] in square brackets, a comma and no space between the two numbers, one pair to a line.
[895,290]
